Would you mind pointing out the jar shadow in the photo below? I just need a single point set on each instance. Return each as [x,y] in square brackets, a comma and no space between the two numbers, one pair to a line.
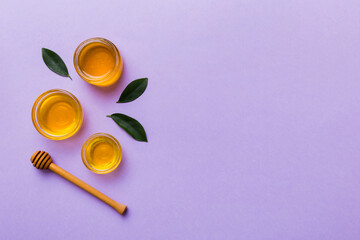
[118,174]
[71,145]
[111,90]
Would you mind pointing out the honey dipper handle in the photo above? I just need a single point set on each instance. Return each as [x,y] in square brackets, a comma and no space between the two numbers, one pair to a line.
[117,206]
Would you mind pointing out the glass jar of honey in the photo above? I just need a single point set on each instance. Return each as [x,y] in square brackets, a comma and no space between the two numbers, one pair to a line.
[101,153]
[98,62]
[57,114]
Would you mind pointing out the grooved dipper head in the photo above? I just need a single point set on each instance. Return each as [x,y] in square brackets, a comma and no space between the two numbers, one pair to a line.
[41,160]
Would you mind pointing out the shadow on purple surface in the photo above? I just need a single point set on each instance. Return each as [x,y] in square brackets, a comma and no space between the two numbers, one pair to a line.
[117,174]
[111,90]
[47,175]
[67,145]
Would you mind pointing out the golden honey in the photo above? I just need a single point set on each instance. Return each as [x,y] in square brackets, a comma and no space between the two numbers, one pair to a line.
[98,62]
[57,114]
[101,153]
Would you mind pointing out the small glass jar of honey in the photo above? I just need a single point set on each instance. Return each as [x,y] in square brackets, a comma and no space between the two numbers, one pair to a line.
[57,114]
[98,62]
[101,153]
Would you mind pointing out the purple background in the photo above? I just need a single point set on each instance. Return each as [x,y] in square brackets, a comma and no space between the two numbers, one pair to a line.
[252,114]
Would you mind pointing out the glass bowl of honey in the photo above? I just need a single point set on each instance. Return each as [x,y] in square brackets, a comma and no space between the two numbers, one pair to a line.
[101,153]
[57,114]
[98,62]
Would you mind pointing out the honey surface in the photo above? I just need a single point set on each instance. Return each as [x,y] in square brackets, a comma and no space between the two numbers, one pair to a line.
[96,60]
[101,153]
[57,114]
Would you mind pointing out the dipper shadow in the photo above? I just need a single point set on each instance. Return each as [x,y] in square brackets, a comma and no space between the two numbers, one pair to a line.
[125,213]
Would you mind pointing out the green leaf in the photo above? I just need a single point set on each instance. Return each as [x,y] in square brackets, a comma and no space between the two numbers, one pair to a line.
[134,90]
[130,125]
[55,63]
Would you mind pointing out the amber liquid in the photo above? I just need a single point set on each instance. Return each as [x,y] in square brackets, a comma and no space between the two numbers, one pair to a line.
[102,153]
[96,61]
[58,115]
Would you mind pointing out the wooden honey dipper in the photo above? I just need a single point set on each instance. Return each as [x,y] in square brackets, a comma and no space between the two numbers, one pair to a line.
[42,160]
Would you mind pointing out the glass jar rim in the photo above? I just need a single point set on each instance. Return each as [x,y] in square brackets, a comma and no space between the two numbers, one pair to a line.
[85,161]
[108,43]
[34,116]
